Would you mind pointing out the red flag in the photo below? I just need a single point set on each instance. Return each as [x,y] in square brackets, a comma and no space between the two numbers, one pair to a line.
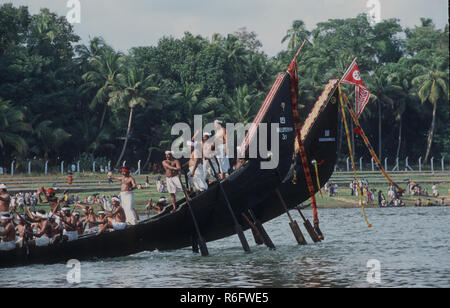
[352,75]
[362,96]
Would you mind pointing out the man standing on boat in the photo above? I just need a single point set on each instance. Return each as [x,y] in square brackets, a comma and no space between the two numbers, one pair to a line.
[209,162]
[5,200]
[127,195]
[9,233]
[173,172]
[197,178]
[220,140]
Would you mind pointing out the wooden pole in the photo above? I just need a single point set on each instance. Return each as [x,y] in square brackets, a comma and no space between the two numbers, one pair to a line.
[293,224]
[201,242]
[262,231]
[256,234]
[237,226]
[309,227]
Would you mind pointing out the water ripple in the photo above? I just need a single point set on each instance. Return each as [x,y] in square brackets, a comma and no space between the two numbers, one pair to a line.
[412,245]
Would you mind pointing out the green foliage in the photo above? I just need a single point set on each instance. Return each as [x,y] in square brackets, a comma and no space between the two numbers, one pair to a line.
[63,99]
[12,126]
[87,160]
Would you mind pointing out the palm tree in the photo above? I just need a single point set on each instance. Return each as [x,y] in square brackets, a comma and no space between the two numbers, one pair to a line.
[102,77]
[12,125]
[400,80]
[96,45]
[432,83]
[131,89]
[49,138]
[296,35]
[382,92]
[190,103]
[242,106]
[236,53]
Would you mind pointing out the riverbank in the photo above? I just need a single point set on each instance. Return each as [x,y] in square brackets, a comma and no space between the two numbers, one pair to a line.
[88,184]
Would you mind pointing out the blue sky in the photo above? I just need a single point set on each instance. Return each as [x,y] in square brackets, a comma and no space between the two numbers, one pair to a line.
[125,24]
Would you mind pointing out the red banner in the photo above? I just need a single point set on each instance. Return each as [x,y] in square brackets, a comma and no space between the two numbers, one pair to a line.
[362,96]
[353,77]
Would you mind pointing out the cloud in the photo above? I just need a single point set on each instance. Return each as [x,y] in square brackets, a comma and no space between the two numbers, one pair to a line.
[125,24]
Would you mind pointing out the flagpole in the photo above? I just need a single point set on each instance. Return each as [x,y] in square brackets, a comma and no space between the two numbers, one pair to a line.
[299,49]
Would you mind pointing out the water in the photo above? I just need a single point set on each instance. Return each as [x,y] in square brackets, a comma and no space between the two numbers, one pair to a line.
[411,244]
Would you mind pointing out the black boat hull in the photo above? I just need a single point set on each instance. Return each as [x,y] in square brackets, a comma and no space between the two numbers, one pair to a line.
[248,187]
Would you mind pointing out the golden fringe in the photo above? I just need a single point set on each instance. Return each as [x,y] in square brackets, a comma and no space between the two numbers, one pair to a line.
[320,103]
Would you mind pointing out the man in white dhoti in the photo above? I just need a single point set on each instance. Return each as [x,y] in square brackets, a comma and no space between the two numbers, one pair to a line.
[173,171]
[210,167]
[196,175]
[220,139]
[127,195]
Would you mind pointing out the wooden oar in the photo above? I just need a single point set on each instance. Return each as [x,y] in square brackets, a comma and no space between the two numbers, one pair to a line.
[308,226]
[262,231]
[256,235]
[293,224]
[237,226]
[201,242]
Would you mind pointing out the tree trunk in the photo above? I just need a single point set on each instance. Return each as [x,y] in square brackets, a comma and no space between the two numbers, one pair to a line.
[379,130]
[431,133]
[148,159]
[399,137]
[102,121]
[126,138]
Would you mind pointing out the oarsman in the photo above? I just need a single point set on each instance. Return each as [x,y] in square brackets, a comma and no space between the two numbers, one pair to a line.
[116,218]
[56,229]
[127,195]
[8,234]
[220,140]
[102,220]
[50,198]
[24,231]
[172,168]
[209,163]
[89,219]
[45,230]
[161,204]
[69,223]
[196,178]
[5,200]
[158,206]
[80,226]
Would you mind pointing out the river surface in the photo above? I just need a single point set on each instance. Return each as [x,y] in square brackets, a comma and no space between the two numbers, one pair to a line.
[410,246]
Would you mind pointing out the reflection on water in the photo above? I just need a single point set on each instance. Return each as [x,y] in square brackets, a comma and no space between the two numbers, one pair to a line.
[412,245]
